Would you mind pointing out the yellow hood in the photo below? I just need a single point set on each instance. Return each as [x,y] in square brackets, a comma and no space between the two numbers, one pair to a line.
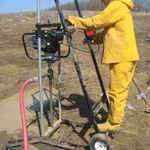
[129,3]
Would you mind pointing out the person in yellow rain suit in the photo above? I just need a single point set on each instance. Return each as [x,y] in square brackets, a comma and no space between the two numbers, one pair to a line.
[120,52]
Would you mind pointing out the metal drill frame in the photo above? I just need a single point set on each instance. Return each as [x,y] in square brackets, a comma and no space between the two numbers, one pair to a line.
[56,124]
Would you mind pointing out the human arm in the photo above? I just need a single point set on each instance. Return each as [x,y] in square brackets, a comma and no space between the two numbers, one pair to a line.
[110,15]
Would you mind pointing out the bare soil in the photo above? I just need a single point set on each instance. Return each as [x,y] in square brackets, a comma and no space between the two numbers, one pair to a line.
[15,68]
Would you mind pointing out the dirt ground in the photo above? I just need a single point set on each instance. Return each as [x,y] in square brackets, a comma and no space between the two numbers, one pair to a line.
[15,68]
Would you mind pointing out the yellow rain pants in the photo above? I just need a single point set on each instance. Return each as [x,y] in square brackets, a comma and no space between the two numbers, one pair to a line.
[121,75]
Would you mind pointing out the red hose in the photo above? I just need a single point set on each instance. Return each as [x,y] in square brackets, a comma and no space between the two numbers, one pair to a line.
[23,115]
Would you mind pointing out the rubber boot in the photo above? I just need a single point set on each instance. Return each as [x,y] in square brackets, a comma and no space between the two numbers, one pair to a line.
[109,127]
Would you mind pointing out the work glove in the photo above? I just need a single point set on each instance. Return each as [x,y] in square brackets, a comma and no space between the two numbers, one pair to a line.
[91,39]
[89,36]
[97,38]
[68,23]
[90,33]
[71,28]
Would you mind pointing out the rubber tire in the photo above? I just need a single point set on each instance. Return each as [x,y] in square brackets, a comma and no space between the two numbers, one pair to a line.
[102,138]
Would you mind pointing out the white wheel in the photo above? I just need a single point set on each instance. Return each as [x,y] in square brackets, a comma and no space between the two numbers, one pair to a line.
[99,145]
[100,142]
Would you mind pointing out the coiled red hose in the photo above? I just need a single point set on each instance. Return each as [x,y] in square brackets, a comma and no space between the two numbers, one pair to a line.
[23,115]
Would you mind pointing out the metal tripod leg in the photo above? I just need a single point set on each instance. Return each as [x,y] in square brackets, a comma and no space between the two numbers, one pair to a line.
[77,67]
[40,70]
[105,99]
[50,77]
[54,124]
[59,88]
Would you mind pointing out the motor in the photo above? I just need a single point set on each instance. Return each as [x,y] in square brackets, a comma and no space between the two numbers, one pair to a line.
[50,40]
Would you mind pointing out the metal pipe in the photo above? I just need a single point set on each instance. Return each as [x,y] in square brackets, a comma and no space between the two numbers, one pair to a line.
[59,78]
[59,88]
[77,67]
[93,58]
[40,69]
[51,95]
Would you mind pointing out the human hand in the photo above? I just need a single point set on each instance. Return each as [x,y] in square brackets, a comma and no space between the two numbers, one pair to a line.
[89,36]
[85,40]
[90,33]
[68,23]
[72,30]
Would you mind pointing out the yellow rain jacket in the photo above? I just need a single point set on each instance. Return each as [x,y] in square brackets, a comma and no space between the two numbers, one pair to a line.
[118,35]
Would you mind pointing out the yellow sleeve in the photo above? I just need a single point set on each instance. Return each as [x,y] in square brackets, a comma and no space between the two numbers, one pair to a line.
[110,15]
